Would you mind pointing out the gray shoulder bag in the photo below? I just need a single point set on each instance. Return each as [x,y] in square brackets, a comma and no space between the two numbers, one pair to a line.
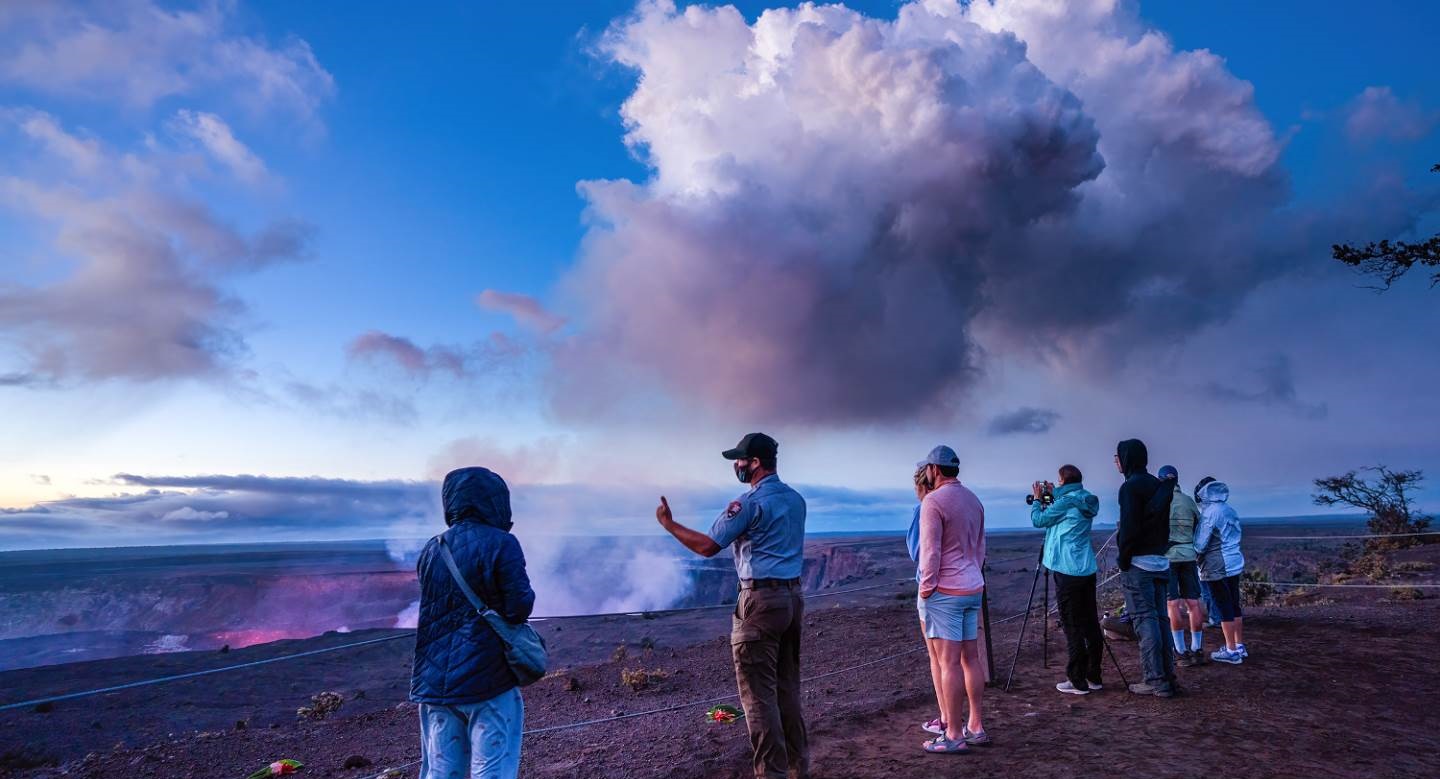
[524,648]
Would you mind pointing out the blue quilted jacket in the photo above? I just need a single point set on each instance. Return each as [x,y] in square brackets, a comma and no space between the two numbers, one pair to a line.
[458,657]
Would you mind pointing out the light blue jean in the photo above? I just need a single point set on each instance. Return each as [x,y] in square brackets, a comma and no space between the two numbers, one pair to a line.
[474,740]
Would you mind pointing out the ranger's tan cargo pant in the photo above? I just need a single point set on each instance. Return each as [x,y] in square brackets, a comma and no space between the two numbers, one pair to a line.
[765,643]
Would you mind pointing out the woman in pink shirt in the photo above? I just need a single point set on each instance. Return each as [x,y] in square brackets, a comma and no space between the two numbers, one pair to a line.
[951,553]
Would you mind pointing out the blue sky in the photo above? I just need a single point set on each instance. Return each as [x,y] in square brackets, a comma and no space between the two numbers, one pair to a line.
[431,155]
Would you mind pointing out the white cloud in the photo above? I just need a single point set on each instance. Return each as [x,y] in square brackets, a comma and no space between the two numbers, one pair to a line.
[142,296]
[211,132]
[1377,113]
[83,155]
[186,514]
[844,214]
[138,53]
[137,284]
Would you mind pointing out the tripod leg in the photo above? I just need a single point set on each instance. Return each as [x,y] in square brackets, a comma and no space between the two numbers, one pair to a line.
[1029,603]
[1115,662]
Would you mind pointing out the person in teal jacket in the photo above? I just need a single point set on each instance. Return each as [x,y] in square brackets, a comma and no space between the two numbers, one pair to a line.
[1071,558]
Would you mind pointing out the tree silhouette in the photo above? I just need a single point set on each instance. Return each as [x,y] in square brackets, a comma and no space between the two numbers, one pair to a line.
[1389,260]
[1388,499]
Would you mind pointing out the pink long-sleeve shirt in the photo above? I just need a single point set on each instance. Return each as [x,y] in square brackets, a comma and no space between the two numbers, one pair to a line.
[952,541]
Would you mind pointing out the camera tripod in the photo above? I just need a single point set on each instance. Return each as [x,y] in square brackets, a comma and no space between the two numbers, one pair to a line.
[1045,625]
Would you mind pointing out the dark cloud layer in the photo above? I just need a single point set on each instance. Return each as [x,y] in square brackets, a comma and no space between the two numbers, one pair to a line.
[1276,387]
[20,380]
[1023,420]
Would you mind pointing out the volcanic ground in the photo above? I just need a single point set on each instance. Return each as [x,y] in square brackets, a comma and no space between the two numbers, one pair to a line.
[1338,684]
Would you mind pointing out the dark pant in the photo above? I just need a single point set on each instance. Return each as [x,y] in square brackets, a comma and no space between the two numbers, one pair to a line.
[1212,612]
[1145,601]
[1227,598]
[1075,595]
[765,643]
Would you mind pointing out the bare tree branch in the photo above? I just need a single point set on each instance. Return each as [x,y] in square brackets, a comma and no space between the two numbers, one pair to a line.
[1389,260]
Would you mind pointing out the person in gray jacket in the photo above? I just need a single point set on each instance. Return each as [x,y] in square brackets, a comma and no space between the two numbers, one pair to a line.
[1217,540]
[1184,589]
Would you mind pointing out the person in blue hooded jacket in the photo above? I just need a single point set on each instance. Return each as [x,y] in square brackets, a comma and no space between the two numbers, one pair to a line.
[471,713]
[1071,558]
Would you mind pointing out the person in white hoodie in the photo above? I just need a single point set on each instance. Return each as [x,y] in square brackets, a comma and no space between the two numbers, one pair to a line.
[1217,542]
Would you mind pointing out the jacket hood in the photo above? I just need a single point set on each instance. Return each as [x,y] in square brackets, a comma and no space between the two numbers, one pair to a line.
[1215,492]
[476,495]
[1133,456]
[1085,502]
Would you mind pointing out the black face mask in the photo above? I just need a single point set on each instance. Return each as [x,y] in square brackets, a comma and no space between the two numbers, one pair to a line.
[743,472]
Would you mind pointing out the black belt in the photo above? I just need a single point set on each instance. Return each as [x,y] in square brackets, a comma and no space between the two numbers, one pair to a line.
[760,584]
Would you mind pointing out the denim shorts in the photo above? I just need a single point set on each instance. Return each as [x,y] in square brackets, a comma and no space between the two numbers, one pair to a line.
[951,617]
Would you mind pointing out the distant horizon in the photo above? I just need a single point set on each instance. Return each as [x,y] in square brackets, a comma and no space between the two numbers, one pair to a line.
[1331,518]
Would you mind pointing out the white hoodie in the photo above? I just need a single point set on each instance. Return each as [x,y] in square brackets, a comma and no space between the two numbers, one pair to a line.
[1217,538]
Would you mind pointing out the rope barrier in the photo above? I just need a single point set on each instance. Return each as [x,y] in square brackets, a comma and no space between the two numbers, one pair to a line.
[195,674]
[352,645]
[661,612]
[1364,535]
[1397,586]
[1009,560]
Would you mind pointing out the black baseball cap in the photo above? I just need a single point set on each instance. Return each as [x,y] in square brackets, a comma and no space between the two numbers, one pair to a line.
[753,445]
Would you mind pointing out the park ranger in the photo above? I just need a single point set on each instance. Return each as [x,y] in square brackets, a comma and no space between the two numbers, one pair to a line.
[766,529]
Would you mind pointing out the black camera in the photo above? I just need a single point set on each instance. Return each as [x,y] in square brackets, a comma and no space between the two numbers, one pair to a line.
[1047,494]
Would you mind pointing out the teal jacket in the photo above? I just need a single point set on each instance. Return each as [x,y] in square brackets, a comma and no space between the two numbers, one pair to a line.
[1067,530]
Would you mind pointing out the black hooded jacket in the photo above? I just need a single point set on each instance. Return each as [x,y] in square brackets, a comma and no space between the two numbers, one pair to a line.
[458,657]
[1144,527]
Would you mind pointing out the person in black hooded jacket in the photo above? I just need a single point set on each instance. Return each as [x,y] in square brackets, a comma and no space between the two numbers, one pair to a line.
[1142,538]
[471,713]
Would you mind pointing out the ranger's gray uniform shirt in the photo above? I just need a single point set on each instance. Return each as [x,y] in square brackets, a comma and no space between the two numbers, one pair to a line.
[766,531]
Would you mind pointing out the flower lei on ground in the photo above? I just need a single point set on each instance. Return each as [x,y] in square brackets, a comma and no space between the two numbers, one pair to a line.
[278,768]
[724,714]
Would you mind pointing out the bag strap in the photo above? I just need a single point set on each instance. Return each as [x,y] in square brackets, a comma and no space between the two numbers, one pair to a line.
[460,579]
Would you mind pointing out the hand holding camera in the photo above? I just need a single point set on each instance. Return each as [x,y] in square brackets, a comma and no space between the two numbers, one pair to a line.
[1042,491]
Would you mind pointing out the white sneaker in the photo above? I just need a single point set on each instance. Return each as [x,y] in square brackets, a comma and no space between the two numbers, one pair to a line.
[1242,650]
[1095,686]
[1224,655]
[1066,686]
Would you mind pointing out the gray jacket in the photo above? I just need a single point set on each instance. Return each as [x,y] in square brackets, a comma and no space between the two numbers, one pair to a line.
[1217,539]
